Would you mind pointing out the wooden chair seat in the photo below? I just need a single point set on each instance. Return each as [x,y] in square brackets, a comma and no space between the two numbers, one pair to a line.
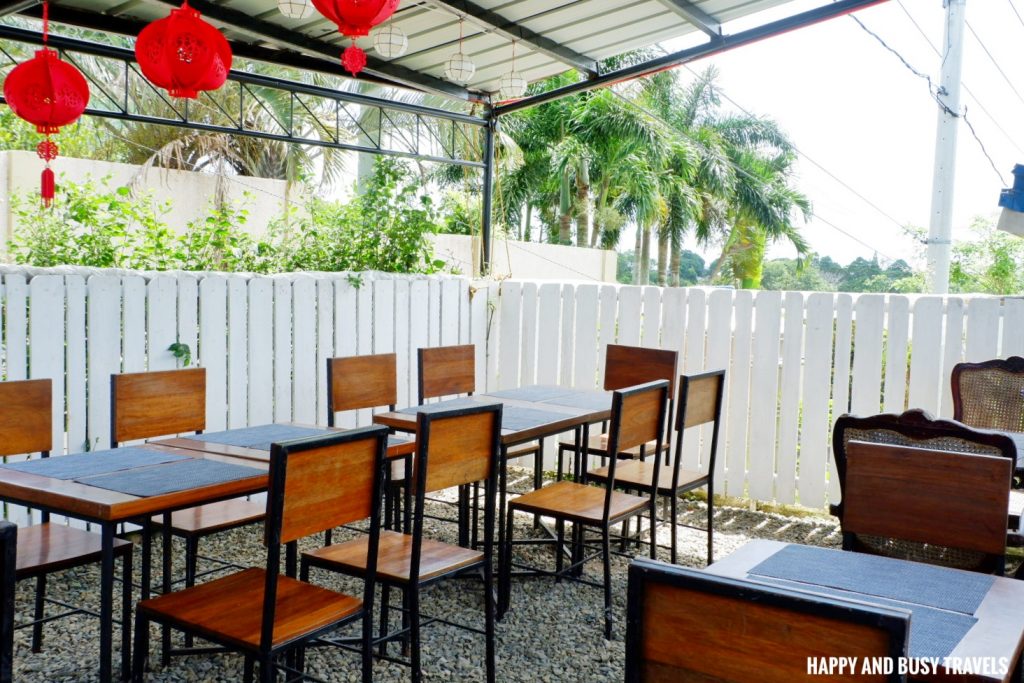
[639,474]
[598,445]
[394,557]
[48,547]
[214,517]
[577,502]
[228,610]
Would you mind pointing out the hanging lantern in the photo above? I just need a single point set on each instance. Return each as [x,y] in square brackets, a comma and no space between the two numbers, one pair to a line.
[459,68]
[512,84]
[390,42]
[183,54]
[355,18]
[48,93]
[295,9]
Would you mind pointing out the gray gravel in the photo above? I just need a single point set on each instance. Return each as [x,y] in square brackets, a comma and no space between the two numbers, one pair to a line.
[553,632]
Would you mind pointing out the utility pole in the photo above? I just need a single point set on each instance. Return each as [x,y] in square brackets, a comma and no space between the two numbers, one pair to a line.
[940,227]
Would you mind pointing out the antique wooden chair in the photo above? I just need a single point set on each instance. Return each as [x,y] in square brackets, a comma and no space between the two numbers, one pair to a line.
[638,417]
[700,403]
[688,625]
[8,559]
[454,447]
[990,395]
[316,483]
[915,428]
[147,405]
[451,371]
[26,426]
[628,366]
[366,382]
[926,505]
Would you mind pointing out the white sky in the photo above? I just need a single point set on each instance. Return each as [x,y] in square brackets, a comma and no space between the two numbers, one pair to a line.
[852,107]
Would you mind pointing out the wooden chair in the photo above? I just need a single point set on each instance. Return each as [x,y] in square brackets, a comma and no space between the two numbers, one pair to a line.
[638,417]
[147,405]
[8,560]
[451,371]
[915,428]
[688,625]
[700,403]
[454,447]
[990,395]
[926,505]
[26,426]
[316,483]
[628,366]
[366,382]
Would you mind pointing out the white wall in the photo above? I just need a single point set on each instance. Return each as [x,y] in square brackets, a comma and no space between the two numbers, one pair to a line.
[528,260]
[190,193]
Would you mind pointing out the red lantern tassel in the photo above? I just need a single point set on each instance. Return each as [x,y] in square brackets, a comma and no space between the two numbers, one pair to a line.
[46,191]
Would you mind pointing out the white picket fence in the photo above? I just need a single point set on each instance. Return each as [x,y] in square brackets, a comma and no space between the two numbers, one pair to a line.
[795,361]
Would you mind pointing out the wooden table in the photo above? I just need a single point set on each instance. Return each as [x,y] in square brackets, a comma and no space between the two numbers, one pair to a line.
[997,633]
[106,509]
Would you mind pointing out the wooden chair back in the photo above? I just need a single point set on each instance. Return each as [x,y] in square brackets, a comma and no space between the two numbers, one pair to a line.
[700,403]
[446,371]
[458,446]
[357,382]
[958,501]
[145,405]
[318,483]
[990,395]
[26,416]
[638,417]
[628,366]
[8,565]
[688,625]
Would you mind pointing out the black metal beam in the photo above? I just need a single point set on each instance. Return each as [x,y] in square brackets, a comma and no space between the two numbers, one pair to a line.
[486,227]
[8,7]
[696,16]
[813,16]
[286,38]
[515,31]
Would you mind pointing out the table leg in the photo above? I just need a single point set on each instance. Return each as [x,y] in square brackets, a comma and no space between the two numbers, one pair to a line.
[165,632]
[106,601]
[502,504]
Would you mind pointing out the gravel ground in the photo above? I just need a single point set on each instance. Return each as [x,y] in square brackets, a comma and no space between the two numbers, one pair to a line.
[553,632]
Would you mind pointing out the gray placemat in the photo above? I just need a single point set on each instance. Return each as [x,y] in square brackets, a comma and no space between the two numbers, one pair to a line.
[259,438]
[448,404]
[913,582]
[933,632]
[189,473]
[587,400]
[97,462]
[517,418]
[533,393]
[397,441]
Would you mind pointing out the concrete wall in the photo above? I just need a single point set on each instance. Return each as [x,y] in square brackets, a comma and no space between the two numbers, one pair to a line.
[528,260]
[190,193]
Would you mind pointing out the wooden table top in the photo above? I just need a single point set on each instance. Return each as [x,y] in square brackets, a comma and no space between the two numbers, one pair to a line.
[562,417]
[998,633]
[395,449]
[92,503]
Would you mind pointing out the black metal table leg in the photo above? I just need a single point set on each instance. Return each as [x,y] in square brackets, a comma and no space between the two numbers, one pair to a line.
[106,601]
[165,631]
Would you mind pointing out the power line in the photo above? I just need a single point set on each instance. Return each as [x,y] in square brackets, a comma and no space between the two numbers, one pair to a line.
[977,100]
[994,62]
[1014,8]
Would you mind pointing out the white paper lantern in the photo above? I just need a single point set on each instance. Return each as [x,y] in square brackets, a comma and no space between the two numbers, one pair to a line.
[390,42]
[513,85]
[295,9]
[459,68]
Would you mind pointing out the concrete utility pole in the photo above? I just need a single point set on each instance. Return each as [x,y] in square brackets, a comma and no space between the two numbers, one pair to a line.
[940,227]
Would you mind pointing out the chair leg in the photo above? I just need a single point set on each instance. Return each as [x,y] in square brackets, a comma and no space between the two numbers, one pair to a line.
[385,599]
[675,530]
[367,647]
[406,621]
[538,475]
[654,527]
[191,562]
[413,591]
[250,669]
[607,557]
[474,513]
[126,613]
[559,549]
[489,610]
[505,568]
[267,672]
[141,648]
[37,628]
[711,526]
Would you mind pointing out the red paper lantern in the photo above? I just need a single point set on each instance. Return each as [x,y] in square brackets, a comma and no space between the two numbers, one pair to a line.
[183,54]
[48,93]
[355,18]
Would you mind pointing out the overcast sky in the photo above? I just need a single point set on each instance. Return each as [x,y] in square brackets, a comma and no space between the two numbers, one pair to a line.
[853,108]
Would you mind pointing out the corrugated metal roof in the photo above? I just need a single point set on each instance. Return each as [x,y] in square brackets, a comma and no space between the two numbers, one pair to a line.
[580,32]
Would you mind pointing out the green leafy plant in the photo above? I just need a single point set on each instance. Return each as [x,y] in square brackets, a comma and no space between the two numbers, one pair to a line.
[182,352]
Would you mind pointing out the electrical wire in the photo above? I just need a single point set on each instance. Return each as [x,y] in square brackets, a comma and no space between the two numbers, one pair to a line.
[994,62]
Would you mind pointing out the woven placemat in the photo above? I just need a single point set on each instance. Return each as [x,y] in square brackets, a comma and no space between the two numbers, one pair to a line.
[449,404]
[912,582]
[189,473]
[587,400]
[259,438]
[933,632]
[517,418]
[97,462]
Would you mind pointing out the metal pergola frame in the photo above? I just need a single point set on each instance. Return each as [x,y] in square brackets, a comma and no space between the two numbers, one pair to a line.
[300,51]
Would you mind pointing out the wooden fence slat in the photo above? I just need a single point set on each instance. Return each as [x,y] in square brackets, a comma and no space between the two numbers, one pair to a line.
[238,349]
[841,375]
[188,312]
[213,348]
[1013,328]
[982,328]
[651,325]
[549,313]
[719,351]
[568,334]
[738,376]
[324,343]
[402,335]
[104,353]
[509,352]
[46,339]
[161,322]
[134,323]
[815,426]
[585,361]
[75,364]
[866,390]
[926,354]
[897,328]
[282,349]
[528,337]
[789,399]
[691,361]
[952,352]
[478,317]
[764,385]
[304,349]
[609,300]
[419,330]
[451,304]
[630,303]
[261,351]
